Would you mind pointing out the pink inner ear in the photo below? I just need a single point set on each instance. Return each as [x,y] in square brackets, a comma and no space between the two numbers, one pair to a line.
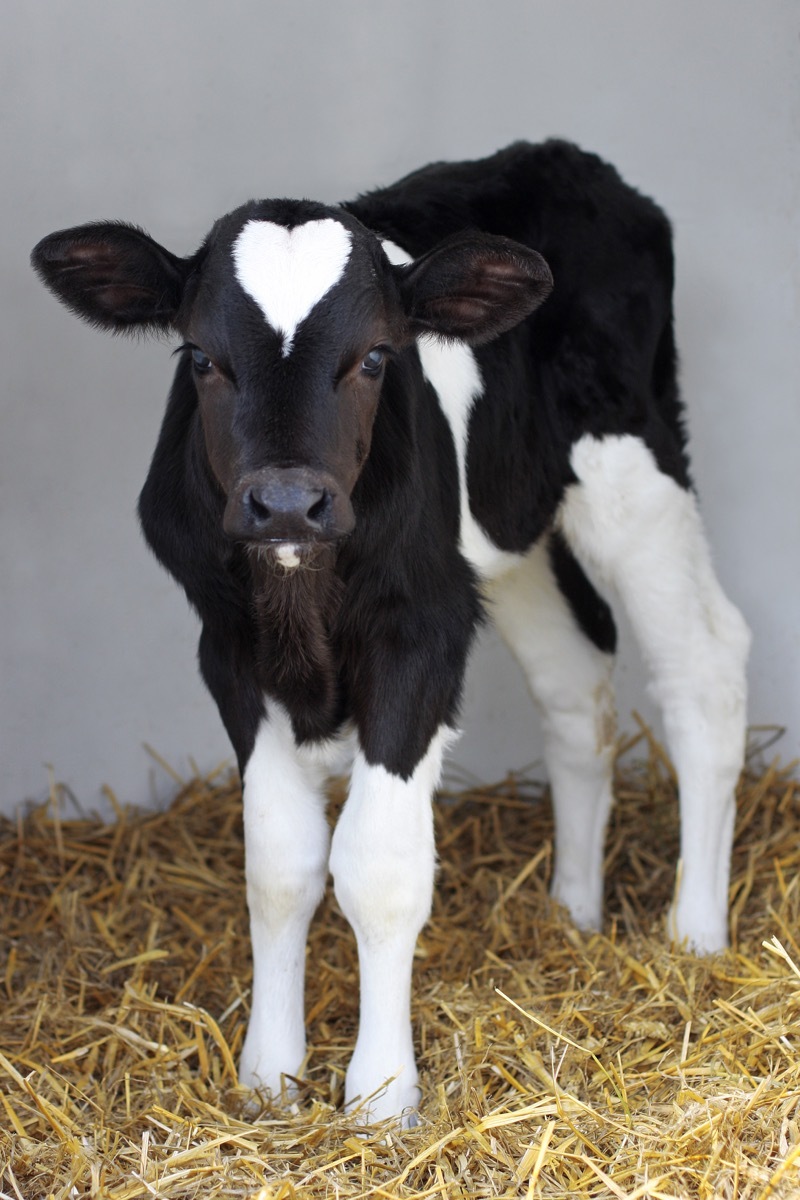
[502,270]
[120,297]
[491,298]
[84,252]
[97,255]
[462,309]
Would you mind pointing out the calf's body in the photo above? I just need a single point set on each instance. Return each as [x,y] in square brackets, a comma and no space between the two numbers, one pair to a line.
[389,417]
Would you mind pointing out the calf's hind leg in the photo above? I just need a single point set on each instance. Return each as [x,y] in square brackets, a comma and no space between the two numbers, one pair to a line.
[570,680]
[634,528]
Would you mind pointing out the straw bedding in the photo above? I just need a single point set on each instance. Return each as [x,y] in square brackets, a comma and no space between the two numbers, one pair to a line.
[553,1063]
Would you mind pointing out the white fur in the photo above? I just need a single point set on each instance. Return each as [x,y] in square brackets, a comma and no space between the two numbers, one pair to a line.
[383,861]
[287,555]
[286,862]
[570,680]
[288,271]
[635,530]
[452,369]
[396,255]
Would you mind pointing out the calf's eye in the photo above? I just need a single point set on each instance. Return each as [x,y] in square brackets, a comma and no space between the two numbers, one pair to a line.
[373,362]
[201,362]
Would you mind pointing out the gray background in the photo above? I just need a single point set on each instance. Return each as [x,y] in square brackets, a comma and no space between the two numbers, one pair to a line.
[169,113]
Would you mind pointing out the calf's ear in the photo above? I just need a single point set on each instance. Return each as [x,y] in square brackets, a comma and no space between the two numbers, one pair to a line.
[112,275]
[474,287]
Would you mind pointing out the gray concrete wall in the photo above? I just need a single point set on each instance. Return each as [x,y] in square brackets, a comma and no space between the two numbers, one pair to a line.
[169,113]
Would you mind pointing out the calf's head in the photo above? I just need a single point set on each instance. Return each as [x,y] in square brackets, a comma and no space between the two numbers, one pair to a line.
[291,315]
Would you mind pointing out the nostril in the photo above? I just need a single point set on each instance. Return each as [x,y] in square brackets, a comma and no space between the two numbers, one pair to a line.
[318,509]
[258,508]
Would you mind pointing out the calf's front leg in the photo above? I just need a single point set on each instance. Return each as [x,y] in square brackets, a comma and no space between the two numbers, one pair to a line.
[286,863]
[383,861]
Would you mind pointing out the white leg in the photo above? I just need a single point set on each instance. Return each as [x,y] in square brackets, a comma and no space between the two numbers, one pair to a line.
[570,680]
[286,856]
[636,529]
[383,861]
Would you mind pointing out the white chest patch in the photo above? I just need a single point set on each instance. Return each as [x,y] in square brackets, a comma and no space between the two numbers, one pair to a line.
[453,370]
[288,271]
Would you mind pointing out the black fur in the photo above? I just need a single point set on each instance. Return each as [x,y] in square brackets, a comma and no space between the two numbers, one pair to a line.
[598,357]
[380,635]
[589,609]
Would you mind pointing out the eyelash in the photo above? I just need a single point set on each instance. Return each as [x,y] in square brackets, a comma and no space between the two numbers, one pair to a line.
[189,349]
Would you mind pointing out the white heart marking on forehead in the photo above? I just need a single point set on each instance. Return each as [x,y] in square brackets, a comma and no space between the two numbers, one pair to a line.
[288,271]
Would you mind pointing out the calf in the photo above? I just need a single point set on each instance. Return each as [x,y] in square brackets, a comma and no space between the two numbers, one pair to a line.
[382,420]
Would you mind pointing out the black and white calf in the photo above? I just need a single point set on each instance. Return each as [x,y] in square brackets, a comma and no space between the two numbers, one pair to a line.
[384,413]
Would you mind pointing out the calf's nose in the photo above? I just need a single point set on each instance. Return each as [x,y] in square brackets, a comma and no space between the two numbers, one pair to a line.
[279,510]
[288,504]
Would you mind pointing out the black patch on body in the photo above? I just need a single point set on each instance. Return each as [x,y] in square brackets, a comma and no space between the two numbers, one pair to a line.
[589,608]
[597,358]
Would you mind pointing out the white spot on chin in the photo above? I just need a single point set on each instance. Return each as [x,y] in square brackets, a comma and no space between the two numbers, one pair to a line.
[288,555]
[288,271]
